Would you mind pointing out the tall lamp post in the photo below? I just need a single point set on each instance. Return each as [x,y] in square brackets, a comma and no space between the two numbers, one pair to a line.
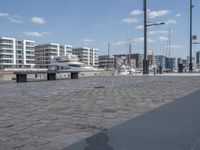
[145,61]
[190,64]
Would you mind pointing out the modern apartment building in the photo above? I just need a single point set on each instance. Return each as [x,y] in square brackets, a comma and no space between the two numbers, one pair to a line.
[44,53]
[65,49]
[106,62]
[87,55]
[94,57]
[16,53]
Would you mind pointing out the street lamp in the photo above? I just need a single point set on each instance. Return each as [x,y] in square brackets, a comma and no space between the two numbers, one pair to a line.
[191,37]
[196,43]
[156,24]
[145,61]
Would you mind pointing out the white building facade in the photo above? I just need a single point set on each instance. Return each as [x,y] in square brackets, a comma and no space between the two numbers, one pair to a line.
[16,53]
[44,53]
[87,55]
[159,60]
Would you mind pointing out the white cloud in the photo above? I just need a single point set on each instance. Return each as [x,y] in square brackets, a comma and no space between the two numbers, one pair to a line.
[12,18]
[3,14]
[117,43]
[138,40]
[171,21]
[87,41]
[151,41]
[151,14]
[178,15]
[38,20]
[177,46]
[159,13]
[15,19]
[130,20]
[139,27]
[163,31]
[141,39]
[36,34]
[120,43]
[158,32]
[163,38]
[137,12]
[152,32]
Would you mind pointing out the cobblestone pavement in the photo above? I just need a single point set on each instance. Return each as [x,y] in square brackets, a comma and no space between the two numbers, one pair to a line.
[54,115]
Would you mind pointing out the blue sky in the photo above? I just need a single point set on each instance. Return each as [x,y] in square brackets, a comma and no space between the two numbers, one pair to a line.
[94,23]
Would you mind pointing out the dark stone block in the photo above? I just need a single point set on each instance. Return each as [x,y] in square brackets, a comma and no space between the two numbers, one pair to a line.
[51,76]
[74,75]
[21,77]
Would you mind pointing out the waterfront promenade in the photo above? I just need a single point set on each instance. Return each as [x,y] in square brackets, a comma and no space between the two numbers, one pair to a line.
[54,115]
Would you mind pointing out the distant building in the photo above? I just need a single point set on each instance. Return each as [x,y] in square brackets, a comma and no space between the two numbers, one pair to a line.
[159,60]
[198,58]
[16,53]
[105,62]
[65,49]
[184,63]
[136,60]
[120,59]
[170,63]
[150,59]
[179,61]
[89,56]
[44,53]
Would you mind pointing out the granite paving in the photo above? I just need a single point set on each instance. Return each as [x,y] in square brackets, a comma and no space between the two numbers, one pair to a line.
[174,126]
[56,114]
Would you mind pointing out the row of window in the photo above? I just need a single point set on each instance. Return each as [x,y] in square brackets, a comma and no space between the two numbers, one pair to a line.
[30,62]
[6,41]
[18,46]
[6,51]
[6,46]
[6,61]
[46,46]
[30,57]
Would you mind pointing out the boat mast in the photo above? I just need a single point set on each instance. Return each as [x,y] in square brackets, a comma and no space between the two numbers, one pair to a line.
[169,38]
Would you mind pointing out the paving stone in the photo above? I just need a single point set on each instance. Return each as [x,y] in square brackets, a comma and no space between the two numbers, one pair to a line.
[54,115]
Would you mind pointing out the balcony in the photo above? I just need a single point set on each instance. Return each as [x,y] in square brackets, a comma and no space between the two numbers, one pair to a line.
[5,48]
[4,58]
[6,42]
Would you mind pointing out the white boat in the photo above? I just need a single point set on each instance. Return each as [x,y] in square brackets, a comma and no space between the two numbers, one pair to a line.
[69,62]
[122,70]
[131,70]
